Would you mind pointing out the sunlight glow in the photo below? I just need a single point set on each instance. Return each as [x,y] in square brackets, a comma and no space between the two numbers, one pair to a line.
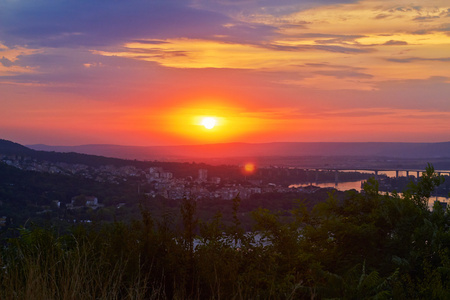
[249,168]
[213,120]
[209,122]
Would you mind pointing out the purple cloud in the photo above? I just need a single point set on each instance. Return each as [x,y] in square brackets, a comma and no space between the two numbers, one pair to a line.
[395,43]
[381,16]
[103,23]
[445,27]
[6,62]
[425,18]
[339,71]
[345,74]
[413,59]
[327,48]
[276,8]
[331,36]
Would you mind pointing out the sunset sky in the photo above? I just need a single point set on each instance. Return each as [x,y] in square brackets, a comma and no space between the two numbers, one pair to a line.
[147,72]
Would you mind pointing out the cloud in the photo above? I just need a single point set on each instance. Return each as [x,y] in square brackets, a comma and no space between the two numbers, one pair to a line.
[425,18]
[339,71]
[341,37]
[152,42]
[405,9]
[392,42]
[413,59]
[296,25]
[381,16]
[275,8]
[446,13]
[6,62]
[187,35]
[423,31]
[444,27]
[103,23]
[10,61]
[352,112]
[327,48]
[340,49]
[345,74]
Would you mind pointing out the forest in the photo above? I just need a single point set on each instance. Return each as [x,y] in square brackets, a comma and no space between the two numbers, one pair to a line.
[368,245]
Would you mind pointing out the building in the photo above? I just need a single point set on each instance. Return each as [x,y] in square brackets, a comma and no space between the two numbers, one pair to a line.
[166,175]
[215,180]
[3,221]
[91,201]
[202,175]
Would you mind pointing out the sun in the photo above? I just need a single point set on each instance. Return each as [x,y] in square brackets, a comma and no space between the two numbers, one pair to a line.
[209,122]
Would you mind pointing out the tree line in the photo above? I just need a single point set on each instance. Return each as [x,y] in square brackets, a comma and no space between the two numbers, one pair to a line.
[365,245]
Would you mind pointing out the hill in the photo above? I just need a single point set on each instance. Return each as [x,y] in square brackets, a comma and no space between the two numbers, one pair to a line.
[306,155]
[11,148]
[229,150]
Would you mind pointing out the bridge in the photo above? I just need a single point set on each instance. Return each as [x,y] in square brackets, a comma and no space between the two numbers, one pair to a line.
[376,171]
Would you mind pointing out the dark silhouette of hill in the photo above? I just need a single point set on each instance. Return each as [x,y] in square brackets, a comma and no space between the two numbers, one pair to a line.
[11,148]
[14,149]
[394,150]
[320,154]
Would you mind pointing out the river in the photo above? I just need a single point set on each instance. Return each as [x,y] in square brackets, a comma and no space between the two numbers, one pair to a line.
[356,185]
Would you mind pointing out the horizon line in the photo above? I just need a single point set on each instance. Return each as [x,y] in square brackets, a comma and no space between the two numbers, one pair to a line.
[232,143]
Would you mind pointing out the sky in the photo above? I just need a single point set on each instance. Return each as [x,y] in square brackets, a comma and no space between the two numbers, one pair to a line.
[145,73]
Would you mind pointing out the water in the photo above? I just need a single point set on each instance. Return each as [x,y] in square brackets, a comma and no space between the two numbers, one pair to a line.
[341,186]
[388,173]
[356,185]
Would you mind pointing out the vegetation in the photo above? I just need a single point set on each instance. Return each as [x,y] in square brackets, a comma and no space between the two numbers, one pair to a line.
[365,246]
[30,196]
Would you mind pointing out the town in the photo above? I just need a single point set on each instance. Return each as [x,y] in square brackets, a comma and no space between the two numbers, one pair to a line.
[84,184]
[156,181]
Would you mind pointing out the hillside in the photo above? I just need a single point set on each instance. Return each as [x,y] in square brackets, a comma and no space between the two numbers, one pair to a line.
[394,150]
[11,148]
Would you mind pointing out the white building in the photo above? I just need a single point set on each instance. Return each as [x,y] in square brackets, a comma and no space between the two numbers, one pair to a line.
[202,175]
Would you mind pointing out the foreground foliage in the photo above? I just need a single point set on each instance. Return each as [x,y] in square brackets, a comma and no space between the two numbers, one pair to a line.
[369,246]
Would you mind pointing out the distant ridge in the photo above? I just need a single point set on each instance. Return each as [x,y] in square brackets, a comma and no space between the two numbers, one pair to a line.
[394,150]
[11,148]
[14,149]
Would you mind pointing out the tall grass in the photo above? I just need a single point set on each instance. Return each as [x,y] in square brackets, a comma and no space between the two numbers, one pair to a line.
[130,262]
[41,265]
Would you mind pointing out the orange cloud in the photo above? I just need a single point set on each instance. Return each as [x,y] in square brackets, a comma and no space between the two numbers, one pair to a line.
[11,56]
